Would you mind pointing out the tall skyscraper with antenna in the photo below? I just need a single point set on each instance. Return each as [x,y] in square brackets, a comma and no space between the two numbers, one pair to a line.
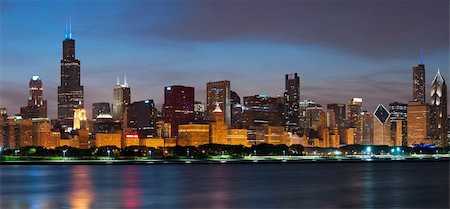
[419,81]
[70,92]
[121,97]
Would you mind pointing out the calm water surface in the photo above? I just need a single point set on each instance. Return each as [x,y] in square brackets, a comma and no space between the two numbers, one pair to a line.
[289,185]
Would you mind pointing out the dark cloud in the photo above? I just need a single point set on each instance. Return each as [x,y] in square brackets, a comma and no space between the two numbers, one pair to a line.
[376,28]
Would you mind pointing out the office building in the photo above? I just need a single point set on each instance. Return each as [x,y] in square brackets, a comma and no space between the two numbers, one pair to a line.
[381,126]
[121,98]
[355,118]
[262,110]
[367,134]
[100,108]
[339,113]
[37,106]
[142,118]
[417,120]
[438,111]
[236,110]
[292,102]
[199,112]
[219,93]
[178,107]
[398,123]
[419,83]
[70,92]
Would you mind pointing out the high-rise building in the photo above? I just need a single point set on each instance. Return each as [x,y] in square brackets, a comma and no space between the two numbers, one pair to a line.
[262,110]
[438,111]
[36,107]
[199,112]
[367,134]
[292,102]
[219,92]
[142,118]
[236,110]
[381,126]
[178,107]
[419,83]
[398,123]
[218,128]
[70,92]
[303,124]
[417,120]
[121,98]
[355,118]
[100,108]
[339,112]
[79,119]
[313,112]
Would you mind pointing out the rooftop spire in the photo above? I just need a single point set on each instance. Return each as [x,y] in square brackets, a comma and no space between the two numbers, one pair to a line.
[421,57]
[68,32]
[125,80]
[118,81]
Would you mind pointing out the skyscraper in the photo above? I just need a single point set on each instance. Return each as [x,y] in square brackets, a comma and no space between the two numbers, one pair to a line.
[417,123]
[70,92]
[419,83]
[219,92]
[261,110]
[398,123]
[178,107]
[100,108]
[355,118]
[121,98]
[292,102]
[367,132]
[340,113]
[381,126]
[36,107]
[438,111]
[236,110]
[142,118]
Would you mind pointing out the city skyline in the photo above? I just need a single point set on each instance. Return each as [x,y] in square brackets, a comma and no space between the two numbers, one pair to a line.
[253,63]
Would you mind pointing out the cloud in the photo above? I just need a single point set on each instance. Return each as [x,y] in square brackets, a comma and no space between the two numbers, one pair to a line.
[376,28]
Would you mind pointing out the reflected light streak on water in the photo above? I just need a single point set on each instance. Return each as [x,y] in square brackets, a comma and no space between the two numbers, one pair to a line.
[81,194]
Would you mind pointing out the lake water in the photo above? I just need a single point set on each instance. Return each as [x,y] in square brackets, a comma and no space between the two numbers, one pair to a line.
[279,185]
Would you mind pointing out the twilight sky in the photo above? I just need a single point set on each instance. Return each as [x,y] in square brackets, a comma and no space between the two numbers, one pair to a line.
[341,49]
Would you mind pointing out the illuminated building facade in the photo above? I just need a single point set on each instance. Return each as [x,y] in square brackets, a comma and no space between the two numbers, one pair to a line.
[313,112]
[419,83]
[367,135]
[262,110]
[303,123]
[219,128]
[26,132]
[79,119]
[292,102]
[398,123]
[108,139]
[218,92]
[142,118]
[236,110]
[199,112]
[417,121]
[121,98]
[100,108]
[355,118]
[178,106]
[70,92]
[339,113]
[381,126]
[37,106]
[438,111]
[237,137]
[193,134]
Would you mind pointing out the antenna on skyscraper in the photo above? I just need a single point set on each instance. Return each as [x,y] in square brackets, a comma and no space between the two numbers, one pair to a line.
[125,80]
[421,57]
[70,28]
[118,81]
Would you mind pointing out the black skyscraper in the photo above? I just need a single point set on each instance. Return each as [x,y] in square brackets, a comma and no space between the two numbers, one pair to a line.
[70,92]
[292,102]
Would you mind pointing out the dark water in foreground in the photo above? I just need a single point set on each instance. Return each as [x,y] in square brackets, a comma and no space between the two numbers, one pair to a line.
[291,185]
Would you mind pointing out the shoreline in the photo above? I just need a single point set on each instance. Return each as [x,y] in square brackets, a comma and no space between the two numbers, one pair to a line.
[217,161]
